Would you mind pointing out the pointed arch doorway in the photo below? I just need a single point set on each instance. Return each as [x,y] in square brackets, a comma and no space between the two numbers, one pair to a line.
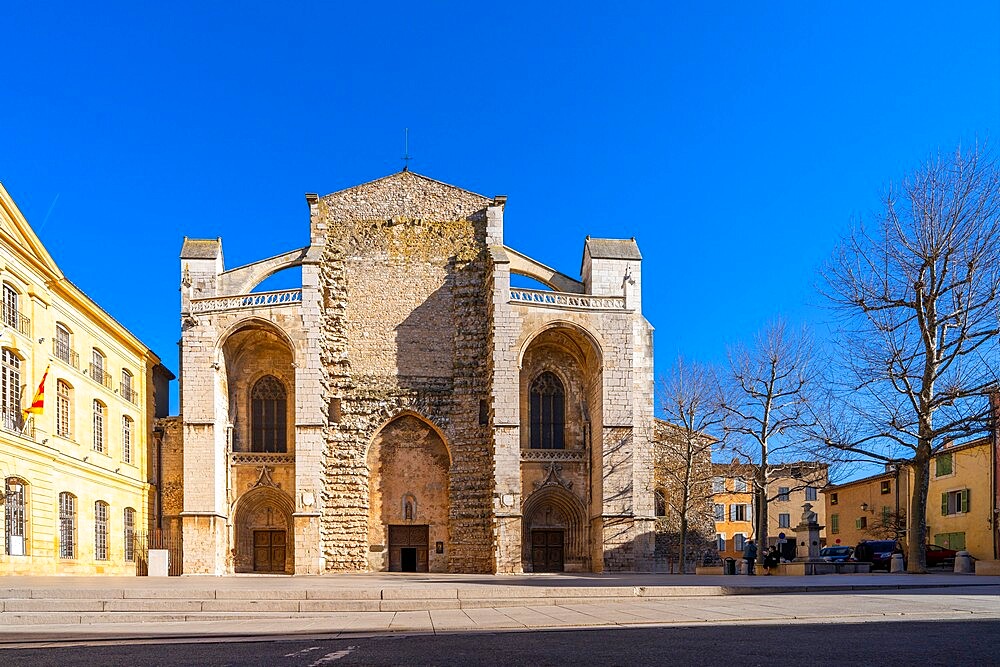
[408,493]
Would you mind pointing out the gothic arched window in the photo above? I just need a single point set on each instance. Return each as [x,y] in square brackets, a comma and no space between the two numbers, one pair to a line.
[267,416]
[547,412]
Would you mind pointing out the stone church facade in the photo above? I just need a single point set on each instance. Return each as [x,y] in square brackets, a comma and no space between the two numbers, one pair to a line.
[407,409]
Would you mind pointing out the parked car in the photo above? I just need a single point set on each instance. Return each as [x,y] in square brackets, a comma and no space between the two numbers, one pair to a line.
[877,552]
[939,555]
[836,554]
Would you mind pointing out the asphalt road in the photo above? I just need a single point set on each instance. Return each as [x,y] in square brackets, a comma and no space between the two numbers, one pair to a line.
[881,644]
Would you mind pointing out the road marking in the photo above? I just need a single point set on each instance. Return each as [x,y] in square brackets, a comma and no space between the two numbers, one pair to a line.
[302,652]
[336,655]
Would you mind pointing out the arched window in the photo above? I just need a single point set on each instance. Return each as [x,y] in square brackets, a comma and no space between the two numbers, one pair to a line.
[67,525]
[98,368]
[64,410]
[129,517]
[16,516]
[127,390]
[62,346]
[10,391]
[100,412]
[267,416]
[547,412]
[10,311]
[660,502]
[100,530]
[127,439]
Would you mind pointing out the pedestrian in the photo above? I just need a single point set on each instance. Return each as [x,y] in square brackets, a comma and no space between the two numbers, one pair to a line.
[771,559]
[750,555]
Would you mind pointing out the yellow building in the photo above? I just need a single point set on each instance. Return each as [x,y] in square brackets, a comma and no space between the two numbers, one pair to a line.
[960,498]
[76,476]
[961,495]
[867,509]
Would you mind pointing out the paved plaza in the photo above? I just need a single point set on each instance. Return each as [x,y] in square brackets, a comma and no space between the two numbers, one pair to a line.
[56,610]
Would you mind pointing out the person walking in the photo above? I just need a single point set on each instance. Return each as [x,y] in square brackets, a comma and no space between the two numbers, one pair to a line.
[750,555]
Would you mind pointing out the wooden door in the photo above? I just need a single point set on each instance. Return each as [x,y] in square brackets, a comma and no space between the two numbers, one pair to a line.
[409,537]
[269,551]
[547,550]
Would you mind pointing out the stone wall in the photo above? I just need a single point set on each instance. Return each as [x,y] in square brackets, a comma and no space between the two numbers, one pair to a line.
[404,328]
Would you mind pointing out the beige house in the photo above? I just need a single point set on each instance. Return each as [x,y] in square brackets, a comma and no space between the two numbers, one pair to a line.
[406,408]
[76,475]
[789,487]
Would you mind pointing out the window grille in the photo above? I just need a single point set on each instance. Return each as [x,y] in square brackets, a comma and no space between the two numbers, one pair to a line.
[100,530]
[129,517]
[67,525]
[15,517]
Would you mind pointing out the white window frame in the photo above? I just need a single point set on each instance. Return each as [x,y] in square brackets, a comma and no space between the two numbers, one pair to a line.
[100,417]
[64,410]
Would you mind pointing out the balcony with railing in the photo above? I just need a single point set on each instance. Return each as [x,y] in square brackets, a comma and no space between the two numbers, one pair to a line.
[13,421]
[100,376]
[66,354]
[128,393]
[16,320]
[546,298]
[254,300]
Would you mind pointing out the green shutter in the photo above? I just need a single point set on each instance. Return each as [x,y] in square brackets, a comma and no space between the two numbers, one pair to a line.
[944,504]
[965,500]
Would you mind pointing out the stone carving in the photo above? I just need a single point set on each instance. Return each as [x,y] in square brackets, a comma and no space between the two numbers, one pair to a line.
[265,479]
[553,477]
[257,300]
[808,516]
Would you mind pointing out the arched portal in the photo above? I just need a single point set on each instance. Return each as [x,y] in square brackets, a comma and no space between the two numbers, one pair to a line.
[555,535]
[263,531]
[408,488]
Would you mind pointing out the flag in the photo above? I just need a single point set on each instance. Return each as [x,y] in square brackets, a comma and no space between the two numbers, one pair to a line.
[38,402]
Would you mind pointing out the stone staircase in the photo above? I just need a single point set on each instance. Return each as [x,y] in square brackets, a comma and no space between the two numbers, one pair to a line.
[74,605]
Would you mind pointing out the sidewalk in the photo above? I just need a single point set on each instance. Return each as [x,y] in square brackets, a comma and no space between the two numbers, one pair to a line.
[76,609]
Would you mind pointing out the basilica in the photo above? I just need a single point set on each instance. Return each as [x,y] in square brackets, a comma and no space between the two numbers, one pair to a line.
[406,408]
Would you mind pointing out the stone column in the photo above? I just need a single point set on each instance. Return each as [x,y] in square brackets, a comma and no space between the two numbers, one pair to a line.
[807,535]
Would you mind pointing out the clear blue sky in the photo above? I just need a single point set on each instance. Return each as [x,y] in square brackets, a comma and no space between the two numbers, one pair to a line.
[736,142]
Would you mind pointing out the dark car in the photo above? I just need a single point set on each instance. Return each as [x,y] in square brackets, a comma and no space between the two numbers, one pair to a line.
[836,554]
[877,552]
[939,555]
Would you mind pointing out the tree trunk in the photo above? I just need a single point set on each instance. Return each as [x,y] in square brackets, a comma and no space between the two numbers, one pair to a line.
[916,538]
[684,531]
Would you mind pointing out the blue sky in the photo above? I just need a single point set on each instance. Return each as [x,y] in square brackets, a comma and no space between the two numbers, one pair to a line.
[736,142]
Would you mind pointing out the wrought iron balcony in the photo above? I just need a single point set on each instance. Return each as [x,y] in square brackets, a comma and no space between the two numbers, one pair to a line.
[128,393]
[66,354]
[532,297]
[13,421]
[99,375]
[15,320]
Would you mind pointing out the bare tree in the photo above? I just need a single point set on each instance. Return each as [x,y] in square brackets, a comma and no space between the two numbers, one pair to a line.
[919,291]
[688,401]
[766,404]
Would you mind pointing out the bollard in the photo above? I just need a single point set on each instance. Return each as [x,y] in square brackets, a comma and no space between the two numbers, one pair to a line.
[963,563]
[896,565]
